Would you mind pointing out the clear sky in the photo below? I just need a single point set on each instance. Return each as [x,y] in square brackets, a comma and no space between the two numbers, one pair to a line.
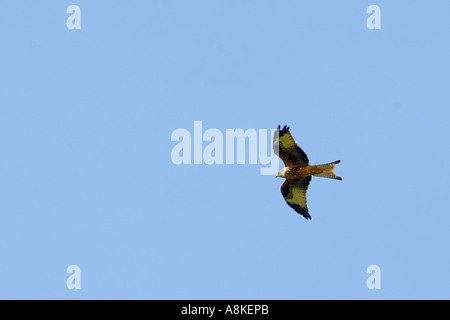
[86,176]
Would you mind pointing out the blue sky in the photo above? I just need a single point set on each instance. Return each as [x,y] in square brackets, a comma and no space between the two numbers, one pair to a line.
[86,176]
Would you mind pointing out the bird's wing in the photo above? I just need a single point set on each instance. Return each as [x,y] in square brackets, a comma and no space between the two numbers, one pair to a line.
[294,192]
[285,147]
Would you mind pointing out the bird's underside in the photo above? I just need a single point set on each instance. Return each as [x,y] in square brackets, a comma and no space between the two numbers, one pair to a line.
[297,171]
[301,171]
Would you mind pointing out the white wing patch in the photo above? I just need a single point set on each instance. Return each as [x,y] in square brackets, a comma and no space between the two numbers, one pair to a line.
[297,196]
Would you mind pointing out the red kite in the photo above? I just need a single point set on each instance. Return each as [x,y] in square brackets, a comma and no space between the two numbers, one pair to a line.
[297,171]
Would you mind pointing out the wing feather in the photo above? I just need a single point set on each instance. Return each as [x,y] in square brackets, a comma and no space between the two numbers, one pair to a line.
[294,192]
[285,147]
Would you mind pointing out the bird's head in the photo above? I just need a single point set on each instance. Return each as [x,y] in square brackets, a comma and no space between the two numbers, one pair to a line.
[281,173]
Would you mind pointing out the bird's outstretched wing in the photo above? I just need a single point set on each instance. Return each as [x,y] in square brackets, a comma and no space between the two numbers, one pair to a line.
[294,192]
[285,147]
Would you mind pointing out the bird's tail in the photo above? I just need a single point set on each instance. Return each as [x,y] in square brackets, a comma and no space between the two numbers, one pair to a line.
[326,170]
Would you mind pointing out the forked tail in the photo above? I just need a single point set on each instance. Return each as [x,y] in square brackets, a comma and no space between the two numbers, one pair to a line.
[326,170]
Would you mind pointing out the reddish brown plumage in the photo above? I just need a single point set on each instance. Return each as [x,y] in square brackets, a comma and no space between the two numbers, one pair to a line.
[296,171]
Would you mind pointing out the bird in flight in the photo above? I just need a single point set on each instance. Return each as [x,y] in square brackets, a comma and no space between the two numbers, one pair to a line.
[297,171]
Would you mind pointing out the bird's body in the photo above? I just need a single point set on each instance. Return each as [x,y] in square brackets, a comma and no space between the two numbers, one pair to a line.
[297,171]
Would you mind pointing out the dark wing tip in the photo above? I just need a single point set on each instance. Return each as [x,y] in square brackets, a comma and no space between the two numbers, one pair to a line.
[306,215]
[302,211]
[284,130]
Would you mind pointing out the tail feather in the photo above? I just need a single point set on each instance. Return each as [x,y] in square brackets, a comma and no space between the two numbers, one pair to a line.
[327,170]
[330,175]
